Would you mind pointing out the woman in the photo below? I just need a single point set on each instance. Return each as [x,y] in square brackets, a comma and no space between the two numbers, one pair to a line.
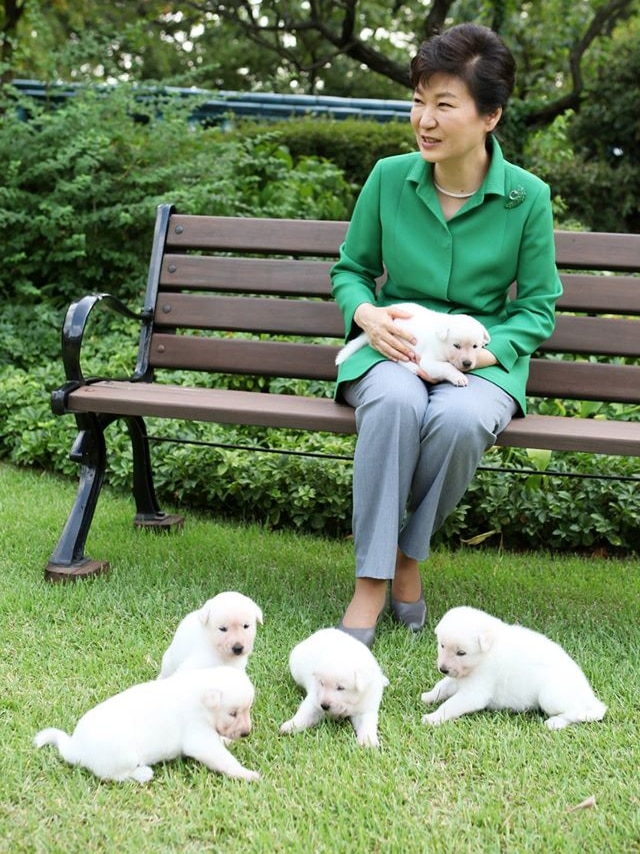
[452,226]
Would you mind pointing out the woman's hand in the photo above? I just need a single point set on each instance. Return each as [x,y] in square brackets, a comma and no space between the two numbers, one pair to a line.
[485,358]
[384,335]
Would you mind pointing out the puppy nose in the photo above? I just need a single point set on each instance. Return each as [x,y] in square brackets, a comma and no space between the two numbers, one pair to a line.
[443,669]
[237,649]
[245,733]
[466,364]
[325,706]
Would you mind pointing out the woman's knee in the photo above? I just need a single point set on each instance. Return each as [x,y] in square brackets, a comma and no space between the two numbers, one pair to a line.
[463,419]
[393,395]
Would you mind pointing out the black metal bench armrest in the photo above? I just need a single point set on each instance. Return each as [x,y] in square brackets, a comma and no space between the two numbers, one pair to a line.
[75,324]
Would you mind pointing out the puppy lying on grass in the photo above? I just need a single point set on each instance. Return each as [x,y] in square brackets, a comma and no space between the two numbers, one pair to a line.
[222,632]
[493,665]
[446,345]
[342,680]
[192,713]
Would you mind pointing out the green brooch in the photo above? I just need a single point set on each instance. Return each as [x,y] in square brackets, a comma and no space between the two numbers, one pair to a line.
[516,197]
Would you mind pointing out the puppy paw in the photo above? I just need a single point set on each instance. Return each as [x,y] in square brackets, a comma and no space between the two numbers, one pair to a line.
[556,722]
[460,381]
[250,776]
[429,697]
[368,740]
[288,726]
[142,774]
[433,719]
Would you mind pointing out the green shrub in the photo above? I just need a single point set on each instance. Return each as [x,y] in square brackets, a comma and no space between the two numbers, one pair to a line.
[525,507]
[353,145]
[81,184]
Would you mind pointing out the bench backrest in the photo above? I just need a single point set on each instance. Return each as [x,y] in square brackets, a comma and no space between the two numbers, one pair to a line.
[200,264]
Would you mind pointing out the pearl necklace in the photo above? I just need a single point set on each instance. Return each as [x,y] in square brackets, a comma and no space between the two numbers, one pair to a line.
[453,195]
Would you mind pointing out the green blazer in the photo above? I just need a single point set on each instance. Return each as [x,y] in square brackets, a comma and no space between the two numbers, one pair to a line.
[503,234]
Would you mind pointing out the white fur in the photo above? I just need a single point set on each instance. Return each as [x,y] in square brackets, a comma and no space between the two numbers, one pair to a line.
[490,664]
[222,632]
[342,679]
[446,344]
[192,713]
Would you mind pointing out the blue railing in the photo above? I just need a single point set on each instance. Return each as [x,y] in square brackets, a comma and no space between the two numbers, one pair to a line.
[218,107]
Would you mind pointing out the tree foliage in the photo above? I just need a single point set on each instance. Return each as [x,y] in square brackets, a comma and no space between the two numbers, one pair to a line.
[577,59]
[349,47]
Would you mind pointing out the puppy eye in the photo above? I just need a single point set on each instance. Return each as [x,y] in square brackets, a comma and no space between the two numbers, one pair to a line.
[233,714]
[222,628]
[246,626]
[340,688]
[461,652]
[457,347]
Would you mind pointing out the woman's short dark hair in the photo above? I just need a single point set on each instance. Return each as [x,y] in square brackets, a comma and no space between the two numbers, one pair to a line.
[475,54]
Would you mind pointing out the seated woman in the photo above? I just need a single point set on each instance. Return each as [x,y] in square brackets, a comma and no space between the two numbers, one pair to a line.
[451,226]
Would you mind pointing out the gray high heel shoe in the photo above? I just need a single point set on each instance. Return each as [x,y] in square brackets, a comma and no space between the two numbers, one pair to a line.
[365,636]
[413,615]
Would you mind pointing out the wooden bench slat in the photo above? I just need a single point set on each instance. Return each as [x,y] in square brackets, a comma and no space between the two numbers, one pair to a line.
[580,250]
[584,381]
[602,336]
[243,356]
[280,276]
[250,314]
[227,406]
[600,294]
[272,236]
[559,433]
[585,250]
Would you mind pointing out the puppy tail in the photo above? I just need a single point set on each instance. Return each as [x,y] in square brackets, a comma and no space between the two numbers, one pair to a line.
[352,347]
[58,739]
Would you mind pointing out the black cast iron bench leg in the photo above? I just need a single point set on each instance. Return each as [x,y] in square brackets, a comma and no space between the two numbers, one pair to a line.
[68,560]
[148,512]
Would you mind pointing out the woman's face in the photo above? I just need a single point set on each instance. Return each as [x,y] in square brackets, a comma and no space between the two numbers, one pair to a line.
[446,122]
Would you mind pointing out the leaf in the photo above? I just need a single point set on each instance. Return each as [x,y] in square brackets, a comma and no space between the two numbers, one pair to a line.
[583,805]
[479,538]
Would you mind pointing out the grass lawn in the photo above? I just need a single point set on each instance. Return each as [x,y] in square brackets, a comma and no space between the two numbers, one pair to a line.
[491,782]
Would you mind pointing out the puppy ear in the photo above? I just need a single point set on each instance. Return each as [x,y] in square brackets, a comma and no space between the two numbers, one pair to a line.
[213,699]
[203,614]
[485,338]
[442,331]
[258,615]
[485,641]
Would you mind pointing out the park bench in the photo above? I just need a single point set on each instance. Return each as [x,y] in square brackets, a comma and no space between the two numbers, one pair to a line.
[211,278]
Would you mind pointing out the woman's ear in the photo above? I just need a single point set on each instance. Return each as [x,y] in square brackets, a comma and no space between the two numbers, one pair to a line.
[492,119]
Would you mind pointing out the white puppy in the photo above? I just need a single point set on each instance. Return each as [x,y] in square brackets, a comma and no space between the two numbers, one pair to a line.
[192,713]
[221,632]
[342,680]
[446,344]
[493,665]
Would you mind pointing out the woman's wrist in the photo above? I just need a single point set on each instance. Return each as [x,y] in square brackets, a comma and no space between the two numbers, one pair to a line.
[359,315]
[485,359]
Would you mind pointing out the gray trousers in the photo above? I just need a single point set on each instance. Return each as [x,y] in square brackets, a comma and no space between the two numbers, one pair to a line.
[417,450]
